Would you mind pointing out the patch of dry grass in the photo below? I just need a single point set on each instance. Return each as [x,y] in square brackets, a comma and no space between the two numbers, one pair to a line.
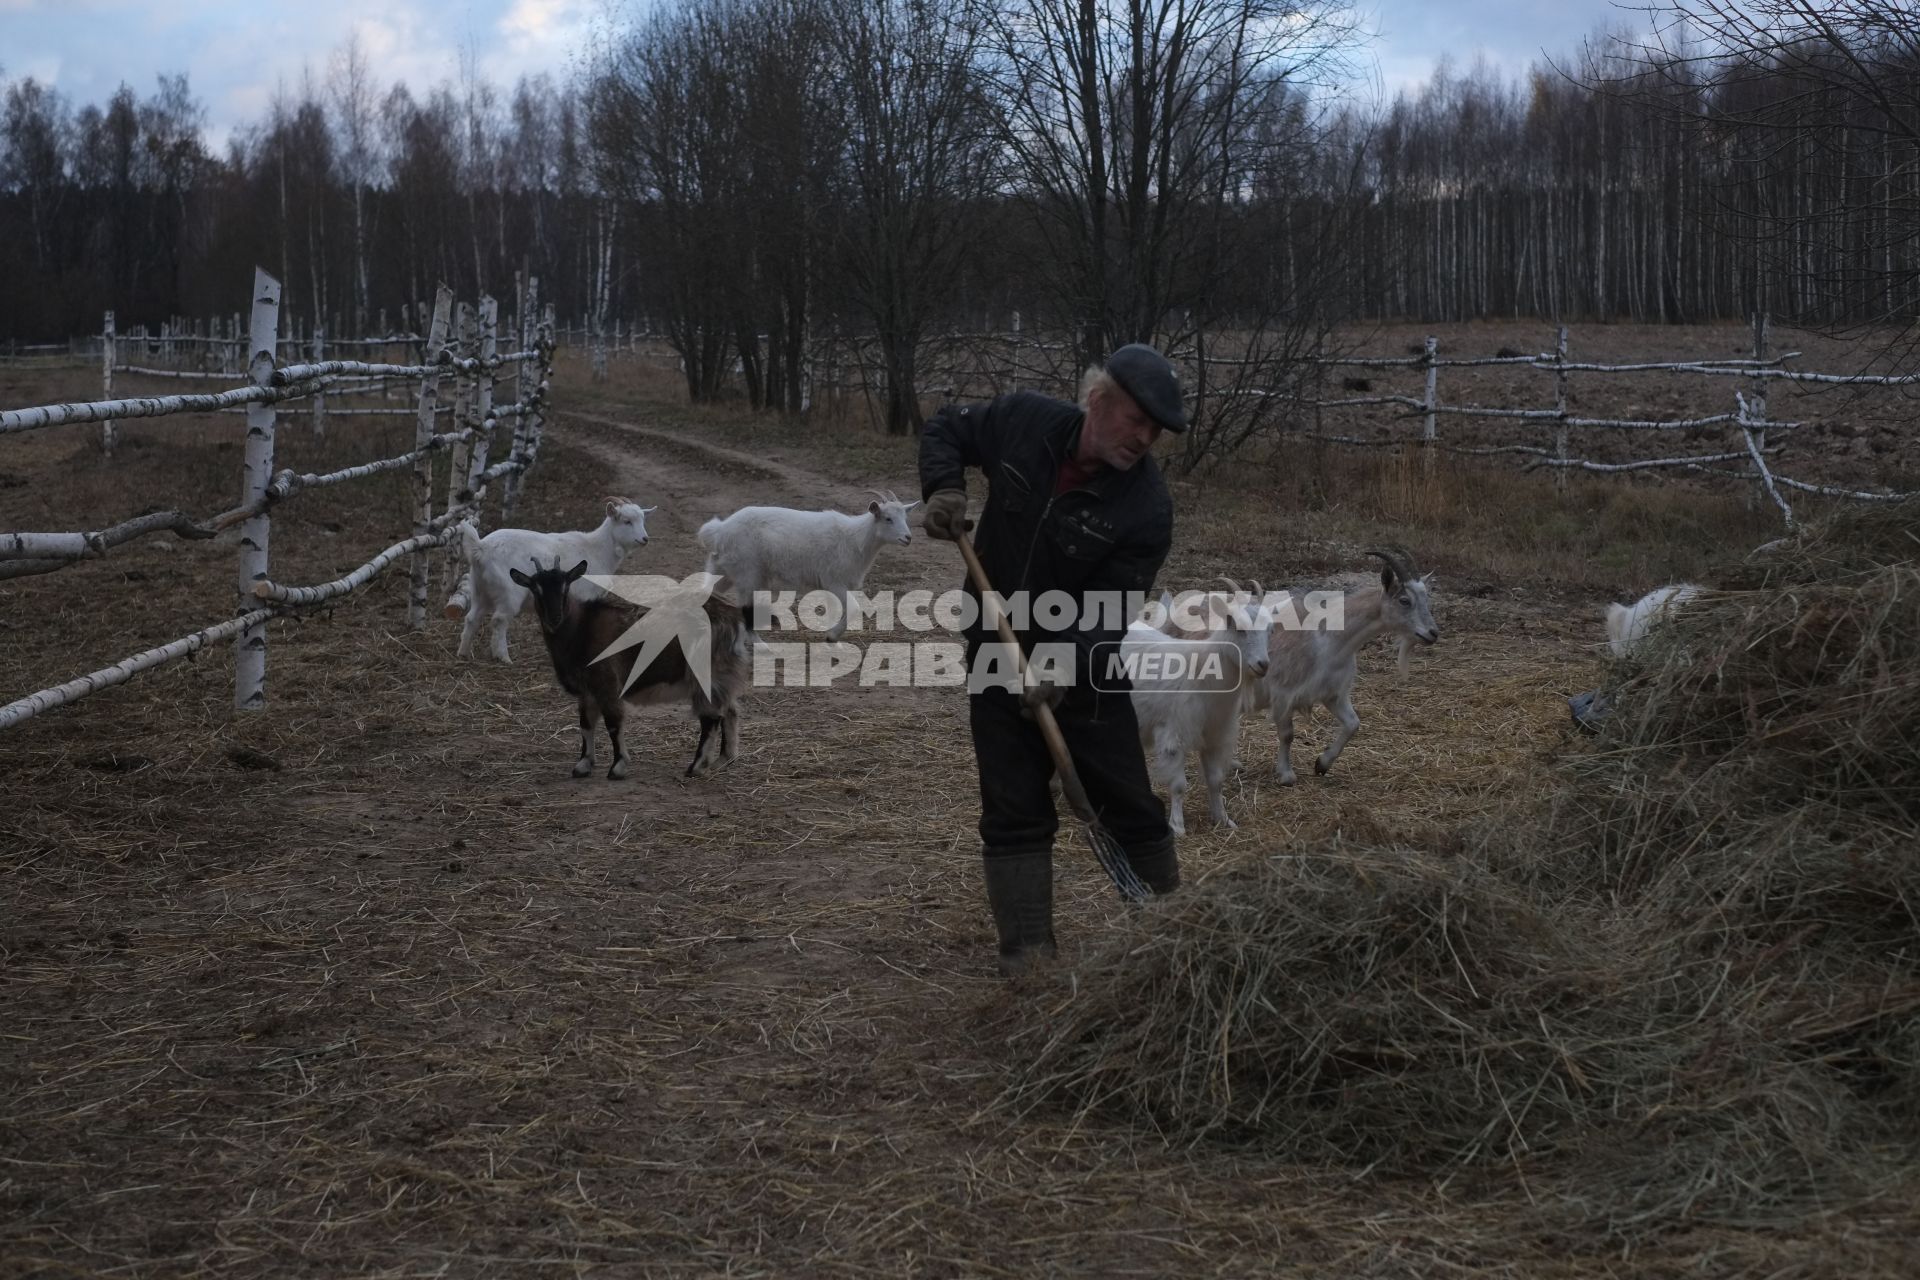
[1680,985]
[415,1001]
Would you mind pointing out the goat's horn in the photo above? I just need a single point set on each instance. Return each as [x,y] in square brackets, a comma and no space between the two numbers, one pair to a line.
[1230,582]
[1397,560]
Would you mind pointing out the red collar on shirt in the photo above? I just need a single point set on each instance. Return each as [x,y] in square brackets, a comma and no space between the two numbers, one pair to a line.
[1074,473]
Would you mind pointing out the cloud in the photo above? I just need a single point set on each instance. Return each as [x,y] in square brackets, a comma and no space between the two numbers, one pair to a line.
[537,36]
[44,67]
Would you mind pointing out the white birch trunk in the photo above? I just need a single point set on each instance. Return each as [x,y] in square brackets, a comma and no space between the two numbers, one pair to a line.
[121,672]
[418,545]
[423,466]
[1560,405]
[529,397]
[250,645]
[1432,399]
[106,384]
[319,353]
[467,339]
[1763,476]
[1755,411]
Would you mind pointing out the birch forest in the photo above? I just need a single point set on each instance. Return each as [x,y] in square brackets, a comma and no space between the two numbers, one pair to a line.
[745,174]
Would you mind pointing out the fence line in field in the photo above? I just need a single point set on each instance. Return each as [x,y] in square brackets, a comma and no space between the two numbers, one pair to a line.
[958,363]
[469,357]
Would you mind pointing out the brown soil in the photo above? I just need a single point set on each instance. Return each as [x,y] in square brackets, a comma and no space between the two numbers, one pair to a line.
[415,1000]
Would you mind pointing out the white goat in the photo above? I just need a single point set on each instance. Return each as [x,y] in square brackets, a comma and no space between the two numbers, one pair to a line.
[1189,691]
[778,548]
[1627,625]
[496,597]
[1309,668]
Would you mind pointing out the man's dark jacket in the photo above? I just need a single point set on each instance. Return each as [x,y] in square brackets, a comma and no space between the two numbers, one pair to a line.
[1111,534]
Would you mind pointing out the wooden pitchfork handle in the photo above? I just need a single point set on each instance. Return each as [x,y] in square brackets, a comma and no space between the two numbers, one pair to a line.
[1042,713]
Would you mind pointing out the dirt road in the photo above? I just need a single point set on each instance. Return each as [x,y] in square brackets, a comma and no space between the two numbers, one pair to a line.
[396,995]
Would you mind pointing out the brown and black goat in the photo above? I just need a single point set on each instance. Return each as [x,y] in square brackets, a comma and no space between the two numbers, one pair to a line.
[578,631]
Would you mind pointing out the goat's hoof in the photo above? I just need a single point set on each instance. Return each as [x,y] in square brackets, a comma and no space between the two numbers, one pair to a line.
[1224,823]
[1321,769]
[1284,777]
[618,771]
[582,767]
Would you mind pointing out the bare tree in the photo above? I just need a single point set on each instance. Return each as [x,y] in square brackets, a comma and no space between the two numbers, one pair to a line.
[1135,124]
[355,106]
[32,147]
[665,129]
[1807,115]
[919,151]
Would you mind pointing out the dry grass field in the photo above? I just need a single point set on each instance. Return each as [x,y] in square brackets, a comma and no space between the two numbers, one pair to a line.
[368,985]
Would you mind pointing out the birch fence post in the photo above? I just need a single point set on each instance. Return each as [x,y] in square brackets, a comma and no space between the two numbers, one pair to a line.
[529,340]
[483,409]
[250,646]
[423,462]
[467,422]
[1560,408]
[106,382]
[1756,413]
[317,353]
[1432,400]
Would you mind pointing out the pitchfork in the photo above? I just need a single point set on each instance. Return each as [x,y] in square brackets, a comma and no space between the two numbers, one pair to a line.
[1106,850]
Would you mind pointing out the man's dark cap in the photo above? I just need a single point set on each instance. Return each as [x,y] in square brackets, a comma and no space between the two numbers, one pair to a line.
[1150,379]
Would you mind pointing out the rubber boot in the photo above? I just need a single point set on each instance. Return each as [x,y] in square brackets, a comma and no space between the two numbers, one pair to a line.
[1157,865]
[1020,892]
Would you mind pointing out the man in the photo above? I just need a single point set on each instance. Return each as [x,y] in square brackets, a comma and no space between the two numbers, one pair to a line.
[1075,503]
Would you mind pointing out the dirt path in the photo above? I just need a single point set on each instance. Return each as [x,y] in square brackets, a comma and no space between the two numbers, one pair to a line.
[414,1000]
[694,480]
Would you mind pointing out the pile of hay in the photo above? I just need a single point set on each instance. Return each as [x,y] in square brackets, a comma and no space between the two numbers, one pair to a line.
[1683,984]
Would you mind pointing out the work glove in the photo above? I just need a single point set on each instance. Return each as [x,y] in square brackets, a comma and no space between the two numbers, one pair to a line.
[1041,692]
[946,516]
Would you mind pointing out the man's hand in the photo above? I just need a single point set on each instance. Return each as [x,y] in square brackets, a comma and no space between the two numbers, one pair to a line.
[946,516]
[1041,691]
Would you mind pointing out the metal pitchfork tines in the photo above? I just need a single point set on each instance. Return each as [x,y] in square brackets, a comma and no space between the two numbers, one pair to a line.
[1106,850]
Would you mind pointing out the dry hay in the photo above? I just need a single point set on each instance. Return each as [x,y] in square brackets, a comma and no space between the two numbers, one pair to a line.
[417,1002]
[1679,987]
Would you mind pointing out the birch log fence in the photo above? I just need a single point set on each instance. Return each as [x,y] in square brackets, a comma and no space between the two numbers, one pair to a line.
[987,362]
[469,359]
[981,364]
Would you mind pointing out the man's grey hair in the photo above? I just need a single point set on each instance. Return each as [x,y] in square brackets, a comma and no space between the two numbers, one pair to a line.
[1096,379]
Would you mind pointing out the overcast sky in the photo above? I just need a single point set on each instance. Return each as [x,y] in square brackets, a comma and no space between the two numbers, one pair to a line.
[237,55]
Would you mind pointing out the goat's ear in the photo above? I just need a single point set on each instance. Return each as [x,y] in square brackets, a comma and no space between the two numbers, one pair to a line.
[520,578]
[910,506]
[613,506]
[873,509]
[577,571]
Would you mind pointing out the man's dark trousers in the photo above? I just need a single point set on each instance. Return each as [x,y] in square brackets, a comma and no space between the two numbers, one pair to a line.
[1017,813]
